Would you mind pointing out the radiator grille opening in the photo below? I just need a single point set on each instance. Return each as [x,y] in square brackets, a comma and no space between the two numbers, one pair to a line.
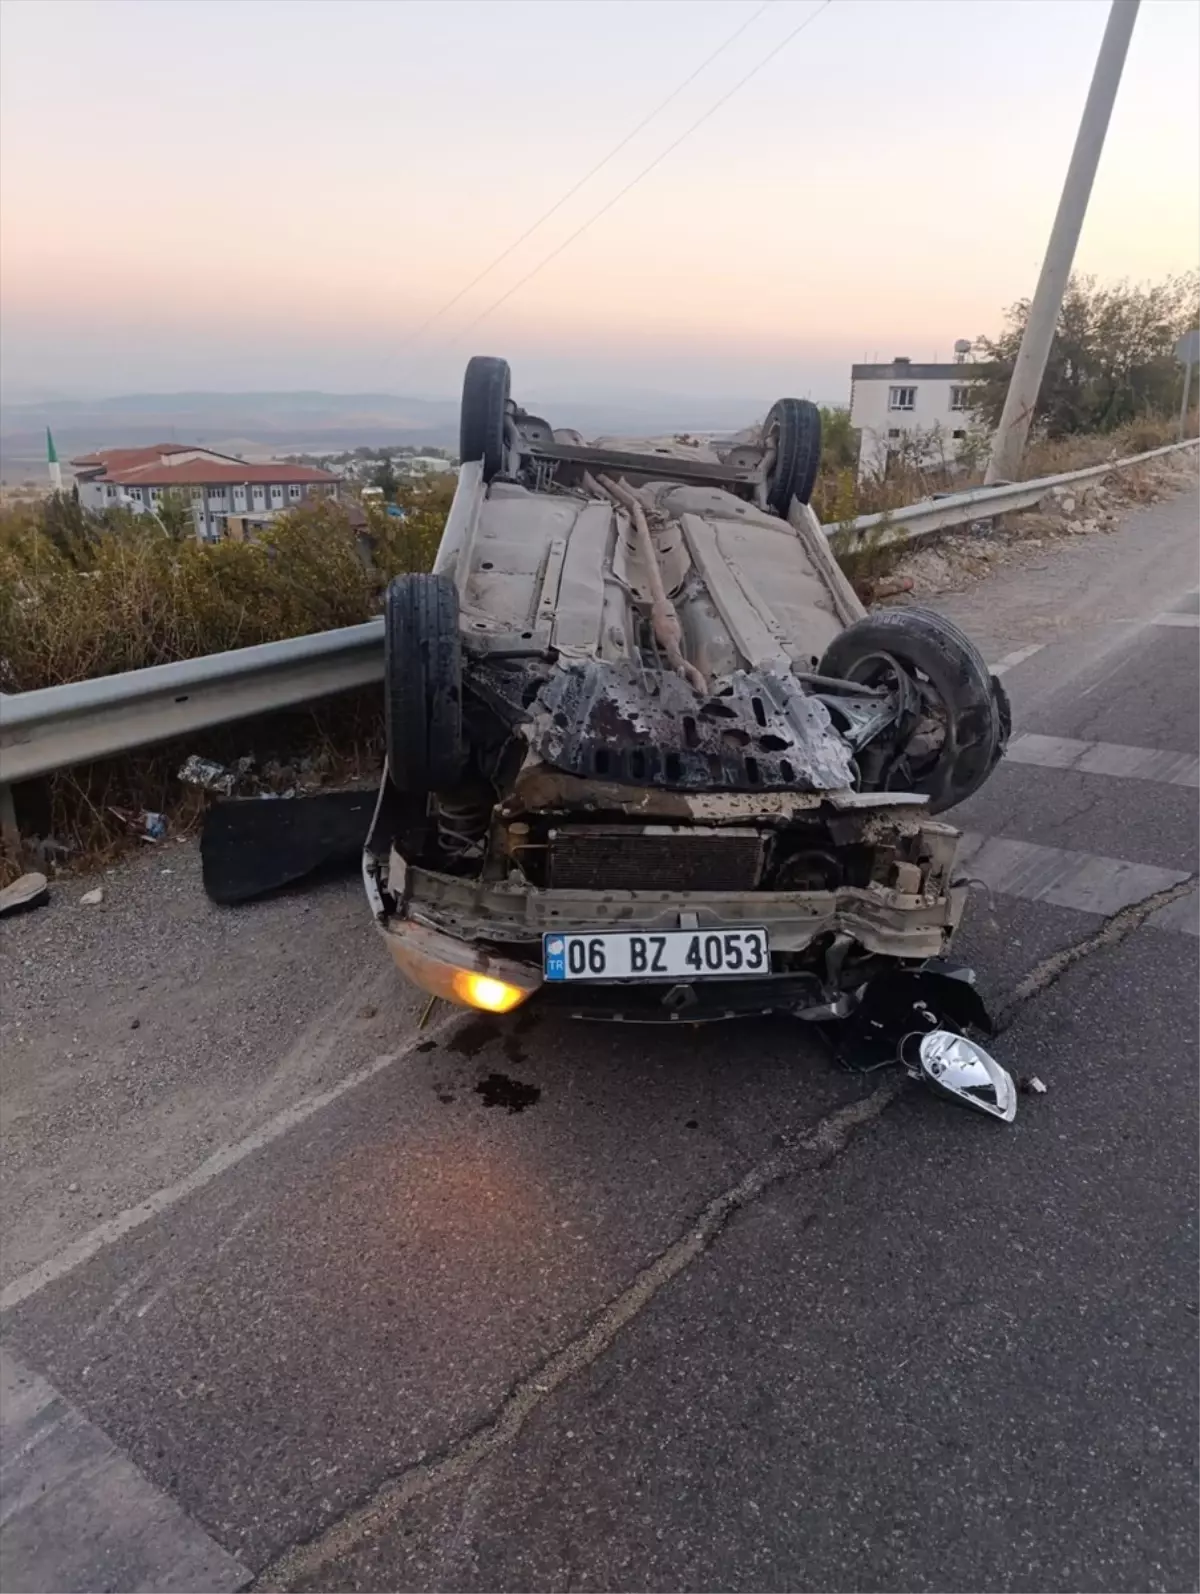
[655,858]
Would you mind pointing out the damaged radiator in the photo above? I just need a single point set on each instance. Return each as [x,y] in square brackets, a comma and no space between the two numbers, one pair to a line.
[655,858]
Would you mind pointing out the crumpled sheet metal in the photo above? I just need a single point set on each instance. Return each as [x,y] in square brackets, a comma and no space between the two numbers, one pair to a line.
[651,728]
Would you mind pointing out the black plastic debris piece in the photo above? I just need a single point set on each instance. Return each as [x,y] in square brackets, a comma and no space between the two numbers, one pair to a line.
[249,846]
[900,1002]
[30,891]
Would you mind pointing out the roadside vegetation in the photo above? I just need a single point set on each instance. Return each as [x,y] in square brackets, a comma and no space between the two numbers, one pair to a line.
[82,596]
[1112,362]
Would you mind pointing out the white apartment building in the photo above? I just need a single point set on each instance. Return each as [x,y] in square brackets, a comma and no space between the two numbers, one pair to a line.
[891,403]
[220,489]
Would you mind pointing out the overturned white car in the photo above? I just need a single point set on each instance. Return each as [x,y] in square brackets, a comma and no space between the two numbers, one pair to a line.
[647,754]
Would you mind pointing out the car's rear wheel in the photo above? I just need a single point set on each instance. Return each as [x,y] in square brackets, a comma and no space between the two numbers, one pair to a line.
[484,408]
[423,683]
[793,427]
[958,727]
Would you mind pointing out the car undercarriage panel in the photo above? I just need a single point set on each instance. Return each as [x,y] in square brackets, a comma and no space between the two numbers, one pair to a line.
[654,729]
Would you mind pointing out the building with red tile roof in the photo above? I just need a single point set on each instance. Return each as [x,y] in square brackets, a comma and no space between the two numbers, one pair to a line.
[219,486]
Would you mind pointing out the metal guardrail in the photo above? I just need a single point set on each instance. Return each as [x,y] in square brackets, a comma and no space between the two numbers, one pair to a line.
[84,720]
[982,503]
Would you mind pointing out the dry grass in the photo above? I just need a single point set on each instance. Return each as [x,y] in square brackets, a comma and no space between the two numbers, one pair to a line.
[76,603]
[839,499]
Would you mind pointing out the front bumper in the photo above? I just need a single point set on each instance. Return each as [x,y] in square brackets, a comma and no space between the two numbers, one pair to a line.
[434,923]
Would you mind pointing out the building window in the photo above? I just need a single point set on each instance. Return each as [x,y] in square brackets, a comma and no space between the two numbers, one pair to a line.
[959,433]
[155,495]
[197,494]
[110,492]
[216,495]
[294,492]
[218,525]
[902,398]
[893,431]
[136,494]
[276,496]
[960,398]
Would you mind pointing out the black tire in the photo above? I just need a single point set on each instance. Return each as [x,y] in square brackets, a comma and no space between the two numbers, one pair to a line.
[797,426]
[934,652]
[484,406]
[422,683]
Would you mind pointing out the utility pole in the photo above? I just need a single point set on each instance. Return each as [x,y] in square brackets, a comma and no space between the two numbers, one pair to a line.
[1187,352]
[1026,381]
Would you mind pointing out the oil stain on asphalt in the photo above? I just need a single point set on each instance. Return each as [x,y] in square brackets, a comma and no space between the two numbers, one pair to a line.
[498,1090]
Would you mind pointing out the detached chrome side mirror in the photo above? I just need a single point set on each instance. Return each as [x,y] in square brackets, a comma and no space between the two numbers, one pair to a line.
[958,1068]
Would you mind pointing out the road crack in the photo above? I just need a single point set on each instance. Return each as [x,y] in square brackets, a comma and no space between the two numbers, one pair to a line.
[1111,933]
[301,1565]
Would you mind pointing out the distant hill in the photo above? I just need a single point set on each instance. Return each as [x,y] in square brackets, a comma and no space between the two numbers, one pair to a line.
[271,423]
[263,423]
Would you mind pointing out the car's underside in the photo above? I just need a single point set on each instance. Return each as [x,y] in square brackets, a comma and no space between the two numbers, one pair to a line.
[634,693]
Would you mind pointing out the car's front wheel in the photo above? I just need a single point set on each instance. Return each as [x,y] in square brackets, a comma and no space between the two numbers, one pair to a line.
[422,683]
[958,716]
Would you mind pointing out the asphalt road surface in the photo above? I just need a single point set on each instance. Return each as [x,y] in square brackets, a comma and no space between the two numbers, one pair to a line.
[287,1299]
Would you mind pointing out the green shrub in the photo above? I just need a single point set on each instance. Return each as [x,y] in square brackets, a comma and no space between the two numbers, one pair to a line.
[83,596]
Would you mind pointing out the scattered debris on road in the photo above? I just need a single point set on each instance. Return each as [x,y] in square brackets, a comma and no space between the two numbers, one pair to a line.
[208,775]
[29,891]
[249,847]
[212,777]
[1031,1085]
[920,1018]
[92,899]
[147,825]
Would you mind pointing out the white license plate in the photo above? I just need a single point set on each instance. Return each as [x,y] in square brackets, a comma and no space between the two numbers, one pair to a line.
[664,955]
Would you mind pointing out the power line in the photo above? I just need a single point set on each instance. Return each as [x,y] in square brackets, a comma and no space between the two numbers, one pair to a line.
[587,176]
[645,172]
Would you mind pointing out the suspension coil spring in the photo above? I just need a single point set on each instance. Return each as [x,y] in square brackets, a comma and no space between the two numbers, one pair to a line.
[462,821]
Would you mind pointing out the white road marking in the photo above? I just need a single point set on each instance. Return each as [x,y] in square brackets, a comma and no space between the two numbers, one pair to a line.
[116,1228]
[1170,618]
[1080,880]
[78,1514]
[1105,758]
[1183,915]
[1011,660]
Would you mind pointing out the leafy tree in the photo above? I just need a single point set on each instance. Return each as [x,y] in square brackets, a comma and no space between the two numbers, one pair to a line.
[839,440]
[386,480]
[174,511]
[64,523]
[1112,359]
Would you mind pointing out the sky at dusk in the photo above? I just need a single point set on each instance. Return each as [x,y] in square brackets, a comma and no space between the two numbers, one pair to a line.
[274,194]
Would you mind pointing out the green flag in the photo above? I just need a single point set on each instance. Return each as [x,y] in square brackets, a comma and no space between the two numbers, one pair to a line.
[51,451]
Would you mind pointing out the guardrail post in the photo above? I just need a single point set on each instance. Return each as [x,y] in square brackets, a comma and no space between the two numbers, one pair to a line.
[8,817]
